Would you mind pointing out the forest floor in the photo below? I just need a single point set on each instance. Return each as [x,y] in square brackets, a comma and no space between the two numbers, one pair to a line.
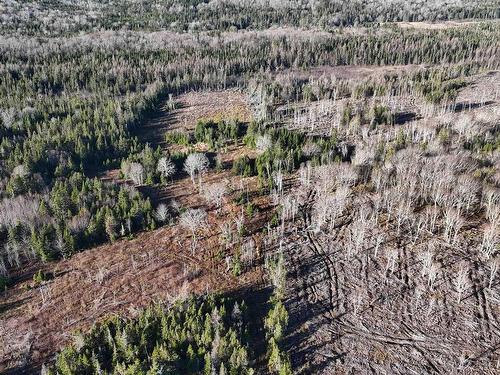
[191,107]
[123,277]
[325,334]
[351,312]
[438,25]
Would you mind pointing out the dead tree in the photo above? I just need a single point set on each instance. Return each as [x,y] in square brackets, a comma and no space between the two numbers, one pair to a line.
[226,233]
[277,273]
[453,223]
[214,194]
[166,167]
[432,274]
[490,241]
[8,117]
[248,252]
[392,256]
[263,143]
[136,173]
[162,213]
[196,165]
[192,220]
[427,261]
[493,265]
[461,281]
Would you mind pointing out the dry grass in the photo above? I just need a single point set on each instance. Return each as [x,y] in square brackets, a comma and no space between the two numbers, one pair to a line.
[118,278]
[125,276]
[440,25]
[348,72]
[193,106]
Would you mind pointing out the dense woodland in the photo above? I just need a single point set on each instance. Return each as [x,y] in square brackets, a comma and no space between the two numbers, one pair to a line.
[380,167]
[54,17]
[205,336]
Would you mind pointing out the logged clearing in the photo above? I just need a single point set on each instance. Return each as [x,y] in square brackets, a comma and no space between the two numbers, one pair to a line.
[347,72]
[119,278]
[335,178]
[126,276]
[439,25]
[191,107]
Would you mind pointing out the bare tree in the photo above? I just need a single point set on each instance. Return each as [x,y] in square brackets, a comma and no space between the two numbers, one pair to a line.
[162,213]
[278,180]
[432,274]
[20,171]
[392,256]
[311,149]
[466,193]
[12,251]
[226,234]
[240,223]
[8,117]
[427,261]
[136,173]
[263,142]
[493,265]
[380,239]
[490,241]
[3,268]
[45,293]
[166,167]
[461,281]
[357,238]
[21,209]
[305,174]
[100,275]
[192,220]
[277,273]
[79,222]
[196,165]
[214,194]
[248,252]
[60,246]
[453,223]
[357,300]
[491,202]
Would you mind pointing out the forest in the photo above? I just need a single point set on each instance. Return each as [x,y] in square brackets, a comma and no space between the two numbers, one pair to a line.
[249,187]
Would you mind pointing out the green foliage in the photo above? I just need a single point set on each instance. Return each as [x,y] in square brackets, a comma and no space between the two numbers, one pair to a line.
[187,338]
[82,212]
[236,266]
[217,133]
[439,90]
[278,360]
[276,321]
[243,166]
[380,115]
[250,209]
[40,276]
[4,283]
[177,138]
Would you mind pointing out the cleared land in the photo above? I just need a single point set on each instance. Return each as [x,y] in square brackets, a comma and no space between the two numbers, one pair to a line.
[341,304]
[125,276]
[440,25]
